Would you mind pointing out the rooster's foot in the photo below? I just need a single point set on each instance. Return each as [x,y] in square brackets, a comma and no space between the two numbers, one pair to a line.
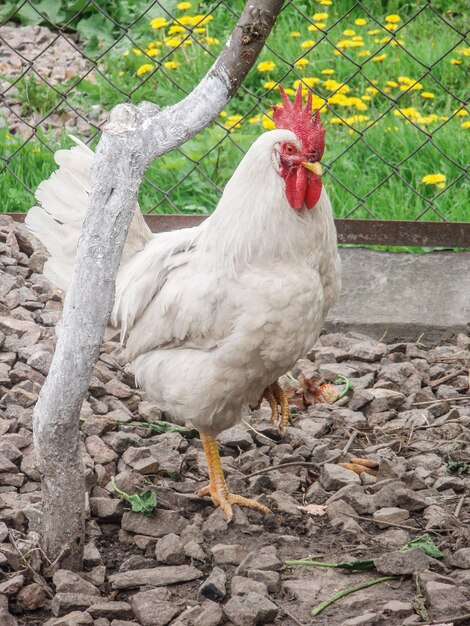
[217,488]
[225,500]
[276,396]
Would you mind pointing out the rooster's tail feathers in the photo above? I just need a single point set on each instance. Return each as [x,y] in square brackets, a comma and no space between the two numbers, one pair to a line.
[57,220]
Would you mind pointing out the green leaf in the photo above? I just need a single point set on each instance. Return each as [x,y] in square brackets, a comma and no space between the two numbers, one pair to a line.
[424,543]
[457,467]
[143,502]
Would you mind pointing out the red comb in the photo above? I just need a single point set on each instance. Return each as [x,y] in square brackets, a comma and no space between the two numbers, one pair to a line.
[292,116]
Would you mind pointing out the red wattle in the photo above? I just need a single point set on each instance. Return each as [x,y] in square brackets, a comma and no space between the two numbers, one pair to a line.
[313,193]
[302,187]
[296,187]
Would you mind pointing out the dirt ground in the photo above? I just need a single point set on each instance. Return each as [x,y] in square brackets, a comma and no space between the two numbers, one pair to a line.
[407,410]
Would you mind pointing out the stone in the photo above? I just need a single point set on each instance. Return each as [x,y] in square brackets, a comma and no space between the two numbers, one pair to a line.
[141,459]
[402,563]
[271,579]
[155,577]
[31,597]
[384,400]
[241,585]
[211,615]
[333,477]
[12,585]
[397,609]
[106,508]
[169,550]
[156,525]
[341,515]
[461,559]
[99,451]
[110,610]
[410,500]
[91,555]
[264,559]
[213,588]
[75,618]
[443,597]
[236,437]
[152,610]
[228,554]
[366,619]
[250,609]
[64,603]
[392,515]
[194,551]
[449,482]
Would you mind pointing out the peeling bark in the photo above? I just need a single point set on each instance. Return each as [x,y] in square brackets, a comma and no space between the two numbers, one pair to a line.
[133,137]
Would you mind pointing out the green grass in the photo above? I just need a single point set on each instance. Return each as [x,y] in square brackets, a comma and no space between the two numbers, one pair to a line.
[368,173]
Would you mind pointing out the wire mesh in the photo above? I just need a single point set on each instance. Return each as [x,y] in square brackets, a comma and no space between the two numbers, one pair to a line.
[387,76]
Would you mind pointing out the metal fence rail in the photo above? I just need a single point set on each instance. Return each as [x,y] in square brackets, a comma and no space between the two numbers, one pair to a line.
[64,65]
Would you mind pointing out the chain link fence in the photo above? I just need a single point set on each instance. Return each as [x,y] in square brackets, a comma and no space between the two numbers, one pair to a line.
[387,76]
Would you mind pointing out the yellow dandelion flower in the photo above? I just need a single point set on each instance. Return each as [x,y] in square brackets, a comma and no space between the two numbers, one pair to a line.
[200,20]
[126,53]
[137,52]
[409,112]
[158,22]
[185,20]
[310,81]
[386,90]
[349,32]
[336,120]
[173,42]
[462,113]
[184,6]
[121,73]
[392,83]
[266,66]
[366,98]
[317,26]
[301,63]
[364,53]
[456,61]
[289,91]
[465,124]
[428,95]
[325,3]
[349,43]
[384,40]
[270,84]
[151,52]
[328,72]
[295,33]
[222,114]
[211,41]
[175,29]
[232,122]
[357,38]
[144,69]
[360,21]
[172,65]
[379,58]
[154,44]
[393,18]
[268,123]
[308,43]
[433,179]
[254,120]
[391,27]
[357,119]
[200,31]
[319,17]
[396,42]
[374,31]
[372,91]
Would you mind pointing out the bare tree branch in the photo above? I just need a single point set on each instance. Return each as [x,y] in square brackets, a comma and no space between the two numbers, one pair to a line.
[133,137]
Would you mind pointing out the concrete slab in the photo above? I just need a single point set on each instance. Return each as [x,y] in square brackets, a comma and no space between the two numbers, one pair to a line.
[404,294]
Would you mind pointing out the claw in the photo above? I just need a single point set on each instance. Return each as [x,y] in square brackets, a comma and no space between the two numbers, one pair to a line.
[276,396]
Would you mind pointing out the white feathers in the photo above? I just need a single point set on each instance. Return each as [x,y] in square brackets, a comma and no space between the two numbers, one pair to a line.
[57,220]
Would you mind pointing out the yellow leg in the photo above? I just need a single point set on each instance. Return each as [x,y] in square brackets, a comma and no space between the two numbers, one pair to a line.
[276,395]
[217,488]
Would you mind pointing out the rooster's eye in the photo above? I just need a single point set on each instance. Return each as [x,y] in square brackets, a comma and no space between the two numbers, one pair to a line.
[290,149]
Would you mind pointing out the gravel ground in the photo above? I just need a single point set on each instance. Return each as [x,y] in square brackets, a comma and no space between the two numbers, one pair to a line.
[408,410]
[51,59]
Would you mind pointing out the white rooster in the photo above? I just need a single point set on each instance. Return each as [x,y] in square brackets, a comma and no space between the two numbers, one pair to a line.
[212,316]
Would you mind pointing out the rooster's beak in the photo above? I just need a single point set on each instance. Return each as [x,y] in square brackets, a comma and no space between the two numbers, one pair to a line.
[313,167]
